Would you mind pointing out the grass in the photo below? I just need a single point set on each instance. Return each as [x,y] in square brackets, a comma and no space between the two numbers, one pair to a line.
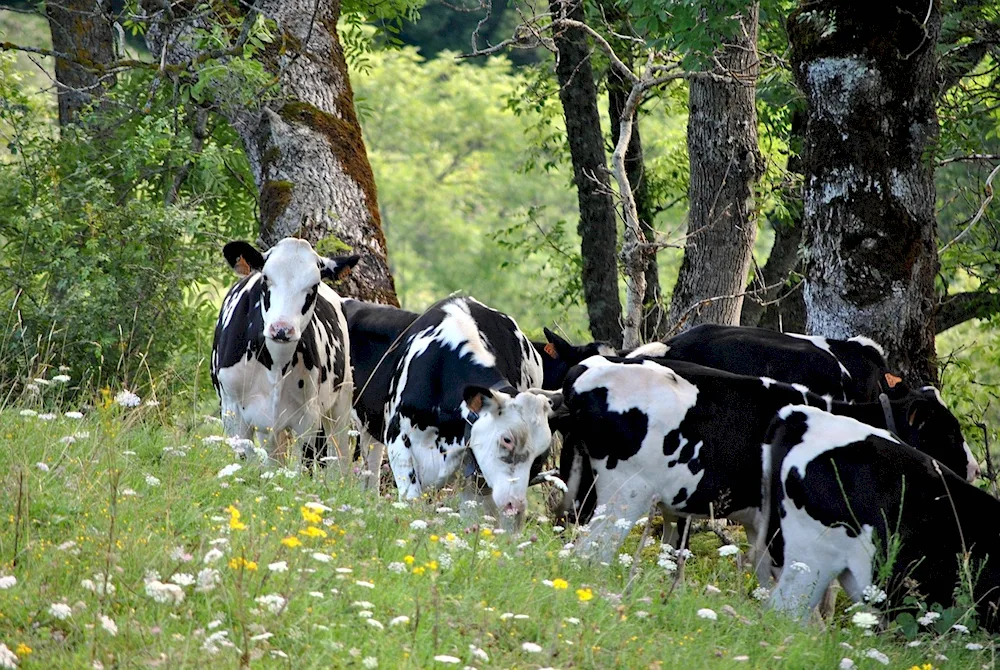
[138,491]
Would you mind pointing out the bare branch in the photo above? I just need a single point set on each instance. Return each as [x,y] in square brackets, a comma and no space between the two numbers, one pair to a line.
[988,187]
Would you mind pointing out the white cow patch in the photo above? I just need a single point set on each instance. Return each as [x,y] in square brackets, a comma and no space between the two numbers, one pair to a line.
[821,343]
[868,342]
[651,349]
[460,332]
[824,432]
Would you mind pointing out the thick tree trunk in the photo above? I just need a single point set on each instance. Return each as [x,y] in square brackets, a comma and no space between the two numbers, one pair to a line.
[305,147]
[653,317]
[870,79]
[84,29]
[725,164]
[597,227]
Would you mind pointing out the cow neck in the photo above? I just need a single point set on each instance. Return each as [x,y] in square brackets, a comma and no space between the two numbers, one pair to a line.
[281,356]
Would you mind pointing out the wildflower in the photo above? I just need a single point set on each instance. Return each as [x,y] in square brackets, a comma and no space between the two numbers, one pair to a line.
[292,542]
[73,415]
[761,593]
[369,662]
[313,531]
[728,550]
[208,579]
[60,611]
[712,590]
[310,516]
[108,624]
[48,416]
[396,567]
[846,664]
[213,555]
[367,585]
[179,554]
[126,398]
[8,659]
[214,642]
[914,643]
[864,620]
[234,519]
[873,594]
[974,646]
[960,628]
[7,581]
[69,439]
[531,647]
[152,481]
[272,602]
[261,637]
[100,585]
[444,658]
[375,623]
[182,579]
[280,566]
[928,618]
[799,566]
[418,524]
[585,594]
[877,655]
[128,493]
[705,613]
[572,620]
[28,412]
[152,403]
[560,584]
[23,649]
[343,571]
[399,621]
[625,559]
[322,558]
[400,504]
[61,379]
[164,593]
[229,470]
[419,570]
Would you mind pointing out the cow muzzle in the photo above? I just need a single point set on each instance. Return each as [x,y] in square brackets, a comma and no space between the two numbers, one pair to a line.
[279,331]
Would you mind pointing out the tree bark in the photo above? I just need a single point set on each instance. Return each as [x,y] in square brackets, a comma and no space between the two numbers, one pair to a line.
[725,163]
[653,317]
[870,80]
[597,227]
[305,147]
[83,28]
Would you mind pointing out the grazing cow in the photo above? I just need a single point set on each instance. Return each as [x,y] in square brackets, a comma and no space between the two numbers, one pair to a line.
[853,370]
[843,493]
[688,437]
[459,375]
[281,355]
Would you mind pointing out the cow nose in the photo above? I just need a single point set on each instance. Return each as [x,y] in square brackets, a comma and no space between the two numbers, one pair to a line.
[513,508]
[974,471]
[281,331]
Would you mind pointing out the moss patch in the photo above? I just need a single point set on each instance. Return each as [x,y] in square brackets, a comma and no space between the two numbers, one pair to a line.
[331,245]
[274,199]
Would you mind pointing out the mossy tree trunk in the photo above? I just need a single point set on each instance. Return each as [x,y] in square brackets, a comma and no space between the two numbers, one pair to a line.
[870,233]
[597,227]
[725,164]
[305,147]
[84,30]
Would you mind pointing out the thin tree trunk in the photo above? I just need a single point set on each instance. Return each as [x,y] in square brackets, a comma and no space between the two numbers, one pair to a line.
[85,29]
[597,227]
[725,164]
[870,79]
[305,147]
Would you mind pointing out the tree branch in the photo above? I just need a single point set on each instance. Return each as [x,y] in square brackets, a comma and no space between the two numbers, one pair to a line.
[962,307]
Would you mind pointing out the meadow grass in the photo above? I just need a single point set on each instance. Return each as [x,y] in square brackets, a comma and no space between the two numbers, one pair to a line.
[268,567]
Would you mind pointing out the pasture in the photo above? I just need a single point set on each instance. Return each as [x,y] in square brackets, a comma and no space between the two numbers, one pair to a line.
[210,563]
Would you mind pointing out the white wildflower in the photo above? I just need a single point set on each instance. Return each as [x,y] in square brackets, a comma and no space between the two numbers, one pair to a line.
[213,555]
[126,398]
[69,439]
[369,662]
[214,642]
[399,621]
[152,481]
[873,594]
[960,628]
[878,656]
[365,585]
[531,647]
[66,546]
[7,581]
[623,524]
[182,579]
[728,550]
[418,524]
[712,589]
[280,566]
[73,415]
[152,403]
[61,379]
[322,558]
[846,664]
[572,620]
[375,623]
[397,567]
[366,614]
[928,618]
[761,593]
[317,594]
[444,658]
[108,624]
[128,493]
[399,504]
[343,571]
[799,566]
[272,602]
[42,382]
[864,620]
[261,637]
[625,559]
[164,593]
[60,611]
[229,470]
[180,554]
[478,653]
[914,643]
[706,613]
[48,416]
[42,466]
[974,646]
[363,604]
[28,412]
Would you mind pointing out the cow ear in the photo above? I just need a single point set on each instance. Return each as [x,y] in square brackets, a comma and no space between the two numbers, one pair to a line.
[891,380]
[480,400]
[335,269]
[558,348]
[919,411]
[243,258]
[554,399]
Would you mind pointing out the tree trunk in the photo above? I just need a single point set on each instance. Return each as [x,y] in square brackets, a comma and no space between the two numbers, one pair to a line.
[870,78]
[305,147]
[84,29]
[725,164]
[597,227]
[653,318]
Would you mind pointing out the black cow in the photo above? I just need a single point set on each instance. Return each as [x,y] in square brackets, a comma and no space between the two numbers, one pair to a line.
[281,355]
[460,374]
[689,437]
[843,492]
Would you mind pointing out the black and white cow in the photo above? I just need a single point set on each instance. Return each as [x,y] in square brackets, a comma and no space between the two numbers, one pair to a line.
[853,370]
[843,492]
[459,375]
[281,355]
[689,437]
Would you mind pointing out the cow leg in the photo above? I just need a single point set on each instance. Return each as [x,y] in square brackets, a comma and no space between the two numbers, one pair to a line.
[811,563]
[339,428]
[621,514]
[372,452]
[314,450]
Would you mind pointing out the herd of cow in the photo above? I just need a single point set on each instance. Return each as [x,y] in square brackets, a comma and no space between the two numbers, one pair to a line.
[833,464]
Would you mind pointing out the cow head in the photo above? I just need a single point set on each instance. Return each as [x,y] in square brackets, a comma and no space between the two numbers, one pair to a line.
[291,272]
[509,432]
[559,355]
[925,423]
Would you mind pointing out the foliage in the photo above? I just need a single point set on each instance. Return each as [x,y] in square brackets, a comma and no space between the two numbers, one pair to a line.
[148,497]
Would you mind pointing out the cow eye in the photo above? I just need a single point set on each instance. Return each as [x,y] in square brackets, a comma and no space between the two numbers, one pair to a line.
[507,440]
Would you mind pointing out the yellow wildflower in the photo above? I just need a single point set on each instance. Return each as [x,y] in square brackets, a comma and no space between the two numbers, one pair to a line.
[408,559]
[434,538]
[450,537]
[292,542]
[313,531]
[250,565]
[487,532]
[311,516]
[585,594]
[234,519]
[433,565]
[419,570]
[23,649]
[560,584]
